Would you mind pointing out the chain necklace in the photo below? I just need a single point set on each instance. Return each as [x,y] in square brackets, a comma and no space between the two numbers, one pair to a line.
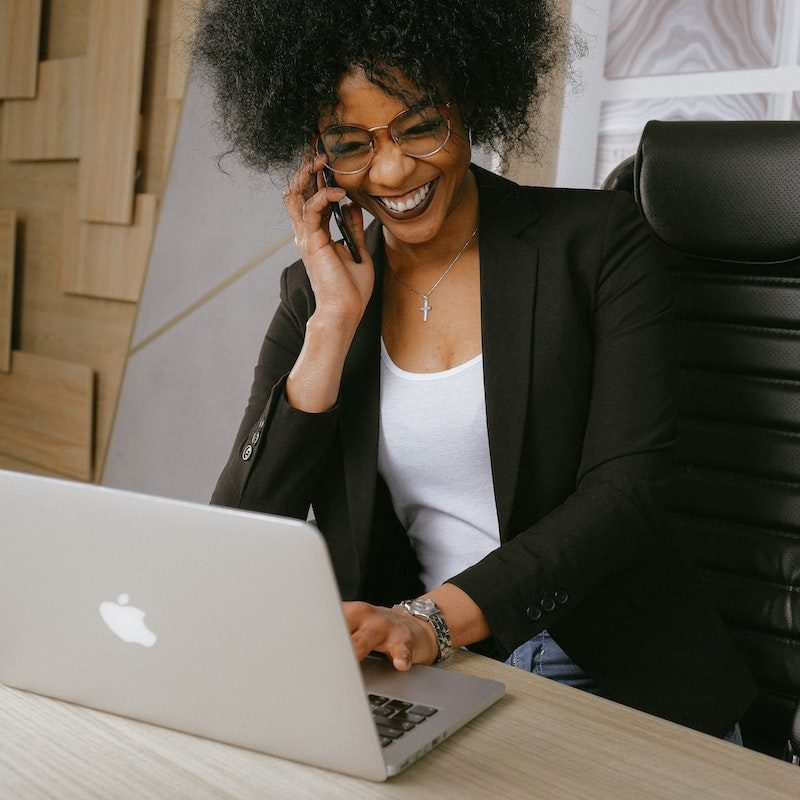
[426,307]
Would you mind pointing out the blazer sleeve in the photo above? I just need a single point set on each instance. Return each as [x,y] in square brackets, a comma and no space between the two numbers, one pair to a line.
[279,450]
[613,517]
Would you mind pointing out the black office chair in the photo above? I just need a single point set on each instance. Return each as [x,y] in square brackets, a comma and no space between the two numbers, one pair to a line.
[725,199]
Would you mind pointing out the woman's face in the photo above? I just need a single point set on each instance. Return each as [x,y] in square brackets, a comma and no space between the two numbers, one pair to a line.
[394,177]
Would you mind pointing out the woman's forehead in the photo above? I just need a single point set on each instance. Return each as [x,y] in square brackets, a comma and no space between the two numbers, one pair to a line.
[364,103]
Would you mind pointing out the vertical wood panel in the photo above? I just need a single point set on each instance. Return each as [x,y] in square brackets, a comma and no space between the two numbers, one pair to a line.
[110,123]
[20,21]
[47,127]
[8,231]
[46,413]
[108,261]
[185,17]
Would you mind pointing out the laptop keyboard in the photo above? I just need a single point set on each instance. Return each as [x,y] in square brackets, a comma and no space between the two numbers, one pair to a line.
[394,717]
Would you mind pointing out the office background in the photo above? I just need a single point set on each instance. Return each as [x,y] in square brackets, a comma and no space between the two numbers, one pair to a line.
[137,277]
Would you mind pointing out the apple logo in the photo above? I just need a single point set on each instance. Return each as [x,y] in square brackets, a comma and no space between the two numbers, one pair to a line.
[127,622]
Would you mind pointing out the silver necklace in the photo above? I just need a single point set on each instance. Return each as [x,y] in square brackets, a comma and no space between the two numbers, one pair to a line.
[426,307]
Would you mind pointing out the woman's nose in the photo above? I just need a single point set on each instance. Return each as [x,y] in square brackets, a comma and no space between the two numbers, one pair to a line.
[390,165]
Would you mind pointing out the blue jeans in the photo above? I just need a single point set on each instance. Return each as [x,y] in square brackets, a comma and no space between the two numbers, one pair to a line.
[542,656]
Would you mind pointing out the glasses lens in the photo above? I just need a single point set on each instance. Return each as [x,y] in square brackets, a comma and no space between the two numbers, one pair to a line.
[349,149]
[421,132]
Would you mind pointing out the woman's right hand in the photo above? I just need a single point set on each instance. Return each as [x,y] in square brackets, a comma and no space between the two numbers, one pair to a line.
[342,288]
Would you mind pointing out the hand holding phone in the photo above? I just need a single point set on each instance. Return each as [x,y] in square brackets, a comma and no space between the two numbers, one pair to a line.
[336,210]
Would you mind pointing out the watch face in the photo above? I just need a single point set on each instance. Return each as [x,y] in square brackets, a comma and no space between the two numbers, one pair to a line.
[422,606]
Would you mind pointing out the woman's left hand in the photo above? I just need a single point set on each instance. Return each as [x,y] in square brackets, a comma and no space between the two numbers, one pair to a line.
[404,638]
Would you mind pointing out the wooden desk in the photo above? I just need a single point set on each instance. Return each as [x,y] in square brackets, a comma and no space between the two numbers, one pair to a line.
[542,740]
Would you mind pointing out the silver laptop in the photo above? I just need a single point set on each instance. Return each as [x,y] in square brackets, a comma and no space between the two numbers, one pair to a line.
[220,623]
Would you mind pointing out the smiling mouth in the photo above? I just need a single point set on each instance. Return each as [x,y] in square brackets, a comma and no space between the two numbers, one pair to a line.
[412,205]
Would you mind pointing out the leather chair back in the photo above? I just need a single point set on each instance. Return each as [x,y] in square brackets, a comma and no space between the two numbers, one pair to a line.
[725,199]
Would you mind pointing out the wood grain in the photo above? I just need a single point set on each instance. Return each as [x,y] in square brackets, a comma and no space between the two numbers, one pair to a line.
[541,740]
[657,37]
[185,18]
[110,123]
[47,321]
[49,126]
[108,261]
[20,21]
[46,413]
[8,235]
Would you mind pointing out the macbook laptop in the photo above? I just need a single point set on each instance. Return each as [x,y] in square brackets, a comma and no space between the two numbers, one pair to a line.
[220,623]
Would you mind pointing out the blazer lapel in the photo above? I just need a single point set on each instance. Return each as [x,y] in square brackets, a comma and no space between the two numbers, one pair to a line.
[509,268]
[360,406]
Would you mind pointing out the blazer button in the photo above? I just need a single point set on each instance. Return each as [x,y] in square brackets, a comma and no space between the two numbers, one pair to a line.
[256,437]
[547,603]
[247,452]
[534,613]
[261,424]
[561,596]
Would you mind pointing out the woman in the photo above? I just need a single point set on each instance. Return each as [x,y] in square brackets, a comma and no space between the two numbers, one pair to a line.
[479,410]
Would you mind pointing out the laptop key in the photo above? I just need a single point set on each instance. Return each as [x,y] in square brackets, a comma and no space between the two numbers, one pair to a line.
[390,732]
[425,711]
[396,724]
[377,711]
[385,740]
[407,716]
[377,700]
[401,705]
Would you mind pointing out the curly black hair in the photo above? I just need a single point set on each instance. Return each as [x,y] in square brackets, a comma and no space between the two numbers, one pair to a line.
[275,64]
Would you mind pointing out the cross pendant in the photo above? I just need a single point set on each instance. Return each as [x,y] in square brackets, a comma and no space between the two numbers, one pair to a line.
[425,308]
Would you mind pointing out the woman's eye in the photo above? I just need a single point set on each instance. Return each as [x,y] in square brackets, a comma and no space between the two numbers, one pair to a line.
[423,129]
[344,149]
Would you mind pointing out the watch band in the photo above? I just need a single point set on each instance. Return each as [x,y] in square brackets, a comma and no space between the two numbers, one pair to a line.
[425,608]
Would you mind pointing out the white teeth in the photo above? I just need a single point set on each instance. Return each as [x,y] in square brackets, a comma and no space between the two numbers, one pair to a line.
[412,202]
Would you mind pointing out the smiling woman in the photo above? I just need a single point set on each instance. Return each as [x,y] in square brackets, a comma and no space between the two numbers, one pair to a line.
[476,394]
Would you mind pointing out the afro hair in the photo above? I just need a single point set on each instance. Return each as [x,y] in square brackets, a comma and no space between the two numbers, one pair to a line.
[275,65]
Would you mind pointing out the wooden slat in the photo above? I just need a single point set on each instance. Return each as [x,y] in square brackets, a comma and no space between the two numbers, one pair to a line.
[109,261]
[8,231]
[49,126]
[46,413]
[110,121]
[185,16]
[20,21]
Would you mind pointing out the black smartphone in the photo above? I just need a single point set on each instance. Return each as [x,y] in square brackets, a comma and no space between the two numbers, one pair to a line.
[336,210]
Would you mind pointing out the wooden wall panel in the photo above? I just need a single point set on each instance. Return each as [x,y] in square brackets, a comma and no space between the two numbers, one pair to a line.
[49,126]
[185,17]
[109,261]
[46,413]
[48,322]
[110,122]
[8,233]
[20,21]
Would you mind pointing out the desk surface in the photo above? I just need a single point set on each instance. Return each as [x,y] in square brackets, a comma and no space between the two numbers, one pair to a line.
[541,740]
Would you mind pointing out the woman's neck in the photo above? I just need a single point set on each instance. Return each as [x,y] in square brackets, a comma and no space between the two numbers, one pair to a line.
[420,259]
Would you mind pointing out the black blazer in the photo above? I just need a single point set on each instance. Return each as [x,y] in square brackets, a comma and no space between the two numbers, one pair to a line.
[579,382]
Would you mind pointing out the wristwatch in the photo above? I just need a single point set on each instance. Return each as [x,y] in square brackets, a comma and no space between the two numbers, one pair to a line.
[426,609]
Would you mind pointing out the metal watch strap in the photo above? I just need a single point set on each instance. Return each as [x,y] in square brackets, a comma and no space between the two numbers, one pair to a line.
[428,610]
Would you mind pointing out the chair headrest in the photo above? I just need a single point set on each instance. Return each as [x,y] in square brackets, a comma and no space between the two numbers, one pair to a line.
[727,191]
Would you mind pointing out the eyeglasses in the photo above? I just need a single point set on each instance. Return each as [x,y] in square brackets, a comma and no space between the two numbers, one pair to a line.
[418,132]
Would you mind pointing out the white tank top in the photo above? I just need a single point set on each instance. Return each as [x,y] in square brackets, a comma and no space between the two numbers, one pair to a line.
[433,453]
